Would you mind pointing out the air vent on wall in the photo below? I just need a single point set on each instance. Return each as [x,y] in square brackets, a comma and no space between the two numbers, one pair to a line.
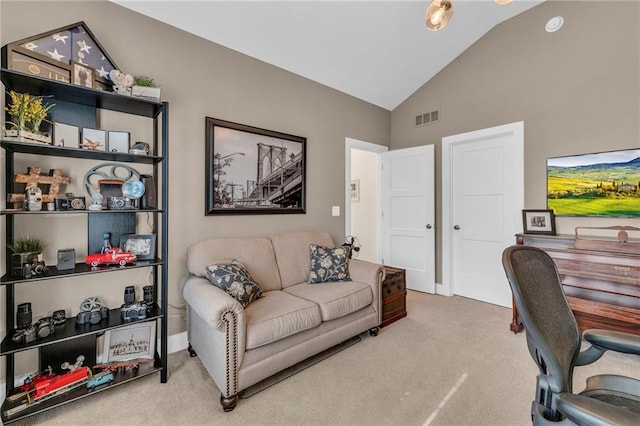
[427,118]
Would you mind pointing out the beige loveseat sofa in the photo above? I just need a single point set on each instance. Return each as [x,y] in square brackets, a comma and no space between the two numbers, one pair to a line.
[291,322]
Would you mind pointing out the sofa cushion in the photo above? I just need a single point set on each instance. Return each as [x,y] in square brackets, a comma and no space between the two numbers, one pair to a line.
[235,280]
[277,315]
[328,264]
[335,299]
[292,253]
[256,254]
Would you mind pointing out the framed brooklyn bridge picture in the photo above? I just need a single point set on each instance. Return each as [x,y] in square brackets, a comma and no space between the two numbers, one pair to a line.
[252,170]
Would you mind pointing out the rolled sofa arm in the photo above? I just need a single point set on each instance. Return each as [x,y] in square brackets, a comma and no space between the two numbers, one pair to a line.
[209,301]
[372,274]
[217,330]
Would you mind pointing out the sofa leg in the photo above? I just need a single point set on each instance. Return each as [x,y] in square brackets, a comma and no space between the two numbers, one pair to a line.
[374,331]
[192,353]
[228,403]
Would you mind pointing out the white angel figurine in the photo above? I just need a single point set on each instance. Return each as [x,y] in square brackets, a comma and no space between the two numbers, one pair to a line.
[97,198]
[121,82]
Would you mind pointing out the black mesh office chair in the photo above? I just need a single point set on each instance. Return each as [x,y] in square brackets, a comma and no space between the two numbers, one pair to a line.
[553,339]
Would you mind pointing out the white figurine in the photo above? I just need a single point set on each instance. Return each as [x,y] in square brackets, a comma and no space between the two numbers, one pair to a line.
[121,82]
[97,198]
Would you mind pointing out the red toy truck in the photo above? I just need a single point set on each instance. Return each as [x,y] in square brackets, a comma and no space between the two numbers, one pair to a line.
[112,256]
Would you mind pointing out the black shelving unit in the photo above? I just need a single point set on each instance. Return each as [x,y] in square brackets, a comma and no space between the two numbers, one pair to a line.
[75,98]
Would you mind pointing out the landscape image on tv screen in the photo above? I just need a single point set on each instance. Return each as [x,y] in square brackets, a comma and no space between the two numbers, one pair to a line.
[602,184]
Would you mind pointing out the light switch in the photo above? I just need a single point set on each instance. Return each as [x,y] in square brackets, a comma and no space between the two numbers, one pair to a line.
[335,211]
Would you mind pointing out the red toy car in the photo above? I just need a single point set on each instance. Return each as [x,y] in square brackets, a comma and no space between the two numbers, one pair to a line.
[111,256]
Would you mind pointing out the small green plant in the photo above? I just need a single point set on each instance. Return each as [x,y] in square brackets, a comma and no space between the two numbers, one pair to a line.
[27,244]
[143,80]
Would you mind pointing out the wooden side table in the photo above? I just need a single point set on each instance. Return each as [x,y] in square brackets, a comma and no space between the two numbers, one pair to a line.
[394,293]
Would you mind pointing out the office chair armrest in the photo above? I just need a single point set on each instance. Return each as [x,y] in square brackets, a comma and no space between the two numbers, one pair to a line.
[583,410]
[605,340]
[613,340]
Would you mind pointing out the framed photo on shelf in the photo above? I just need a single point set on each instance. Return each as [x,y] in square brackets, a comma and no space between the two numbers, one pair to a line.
[94,139]
[82,75]
[253,171]
[142,245]
[66,135]
[131,342]
[539,222]
[118,141]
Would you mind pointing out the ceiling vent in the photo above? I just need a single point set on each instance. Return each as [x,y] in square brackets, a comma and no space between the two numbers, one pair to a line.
[427,118]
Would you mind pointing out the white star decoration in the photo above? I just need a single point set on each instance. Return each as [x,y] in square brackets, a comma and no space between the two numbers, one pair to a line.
[102,72]
[31,45]
[55,55]
[58,37]
[83,46]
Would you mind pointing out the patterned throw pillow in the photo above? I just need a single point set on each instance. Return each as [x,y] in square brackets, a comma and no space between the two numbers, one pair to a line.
[328,264]
[236,281]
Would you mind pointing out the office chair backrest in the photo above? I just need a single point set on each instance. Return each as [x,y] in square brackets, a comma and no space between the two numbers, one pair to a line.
[553,335]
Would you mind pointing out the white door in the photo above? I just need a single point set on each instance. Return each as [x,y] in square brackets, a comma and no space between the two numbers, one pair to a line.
[408,231]
[483,180]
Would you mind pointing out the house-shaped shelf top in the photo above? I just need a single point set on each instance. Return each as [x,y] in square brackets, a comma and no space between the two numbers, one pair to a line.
[52,55]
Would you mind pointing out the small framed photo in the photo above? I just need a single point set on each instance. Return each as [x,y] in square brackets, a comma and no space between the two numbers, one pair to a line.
[142,245]
[66,135]
[94,139]
[539,222]
[134,341]
[355,190]
[82,75]
[118,141]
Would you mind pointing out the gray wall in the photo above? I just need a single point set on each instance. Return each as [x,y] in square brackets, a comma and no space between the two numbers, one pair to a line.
[199,79]
[577,91]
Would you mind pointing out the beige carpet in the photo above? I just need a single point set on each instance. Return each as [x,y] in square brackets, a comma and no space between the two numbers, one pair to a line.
[451,361]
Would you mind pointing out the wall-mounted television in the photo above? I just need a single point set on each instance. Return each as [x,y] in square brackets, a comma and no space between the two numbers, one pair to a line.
[603,184]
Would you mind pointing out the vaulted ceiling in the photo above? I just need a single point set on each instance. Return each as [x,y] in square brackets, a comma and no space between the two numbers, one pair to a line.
[378,51]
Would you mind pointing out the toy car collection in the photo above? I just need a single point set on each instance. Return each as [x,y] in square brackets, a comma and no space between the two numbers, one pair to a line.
[42,386]
[46,386]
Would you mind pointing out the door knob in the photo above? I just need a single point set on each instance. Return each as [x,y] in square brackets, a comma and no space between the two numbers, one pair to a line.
[456,227]
[429,226]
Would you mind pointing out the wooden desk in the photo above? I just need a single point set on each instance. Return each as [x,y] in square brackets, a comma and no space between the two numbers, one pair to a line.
[602,287]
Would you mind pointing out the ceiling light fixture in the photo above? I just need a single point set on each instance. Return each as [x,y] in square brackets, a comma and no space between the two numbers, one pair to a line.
[554,24]
[439,13]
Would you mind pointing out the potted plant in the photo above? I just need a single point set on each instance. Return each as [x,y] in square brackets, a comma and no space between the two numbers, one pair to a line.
[145,87]
[26,251]
[27,114]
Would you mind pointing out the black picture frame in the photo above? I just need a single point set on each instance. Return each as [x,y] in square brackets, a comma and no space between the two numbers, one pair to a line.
[253,171]
[541,222]
[142,245]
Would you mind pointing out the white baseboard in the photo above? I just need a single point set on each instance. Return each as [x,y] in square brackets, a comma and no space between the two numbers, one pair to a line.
[175,343]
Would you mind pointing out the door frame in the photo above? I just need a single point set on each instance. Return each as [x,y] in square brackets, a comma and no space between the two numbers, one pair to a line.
[517,128]
[351,143]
